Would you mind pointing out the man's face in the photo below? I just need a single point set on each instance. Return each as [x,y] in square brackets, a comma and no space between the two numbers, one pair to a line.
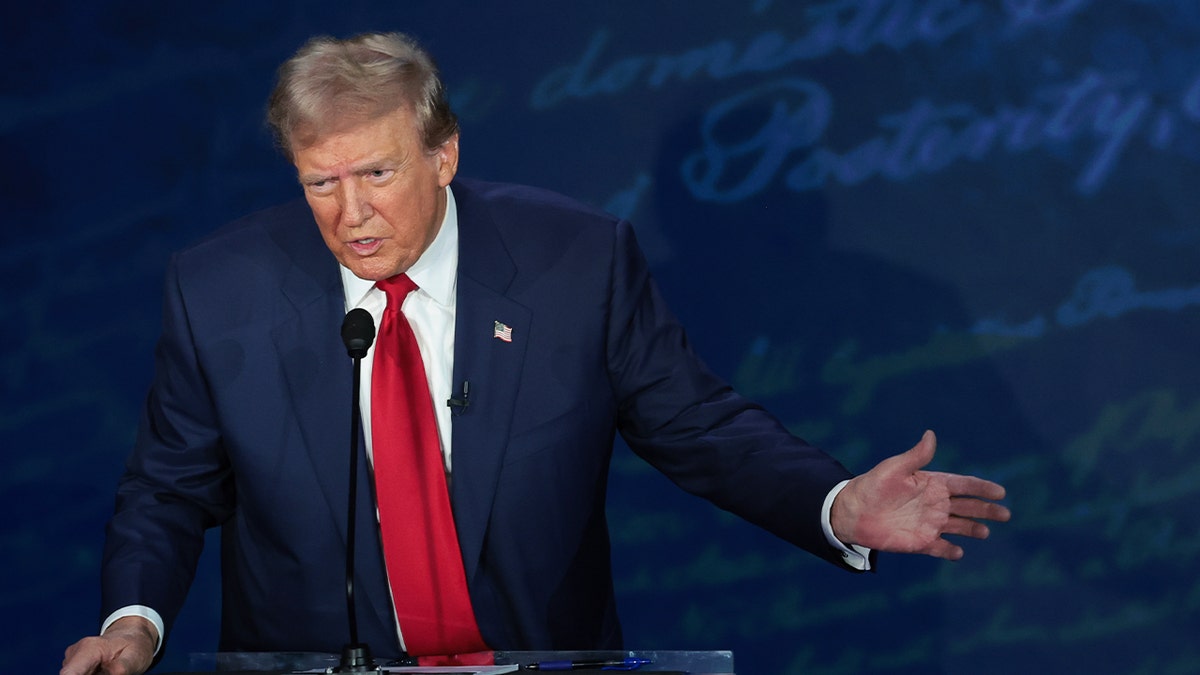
[377,192]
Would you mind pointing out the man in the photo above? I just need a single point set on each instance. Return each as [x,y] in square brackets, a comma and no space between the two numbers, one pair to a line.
[535,317]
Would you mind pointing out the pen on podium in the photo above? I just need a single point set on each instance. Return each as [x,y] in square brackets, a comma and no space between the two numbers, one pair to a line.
[630,663]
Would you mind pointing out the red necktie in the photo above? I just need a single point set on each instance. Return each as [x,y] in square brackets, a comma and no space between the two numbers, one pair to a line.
[420,543]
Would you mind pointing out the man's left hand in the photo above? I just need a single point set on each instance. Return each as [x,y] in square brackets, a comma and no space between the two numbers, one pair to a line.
[899,507]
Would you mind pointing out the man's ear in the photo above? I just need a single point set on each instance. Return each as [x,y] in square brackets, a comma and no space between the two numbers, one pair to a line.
[447,159]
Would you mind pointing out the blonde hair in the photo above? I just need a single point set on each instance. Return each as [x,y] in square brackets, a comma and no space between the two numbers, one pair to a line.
[330,84]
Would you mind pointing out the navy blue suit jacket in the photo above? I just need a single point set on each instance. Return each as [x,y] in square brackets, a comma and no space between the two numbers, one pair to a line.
[246,427]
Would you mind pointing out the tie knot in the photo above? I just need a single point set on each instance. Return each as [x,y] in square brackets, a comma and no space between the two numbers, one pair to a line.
[396,288]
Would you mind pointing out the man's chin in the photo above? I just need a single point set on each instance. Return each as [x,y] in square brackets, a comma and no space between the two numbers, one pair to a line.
[369,272]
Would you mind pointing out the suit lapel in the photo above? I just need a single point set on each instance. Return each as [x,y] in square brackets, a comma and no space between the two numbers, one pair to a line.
[491,365]
[319,378]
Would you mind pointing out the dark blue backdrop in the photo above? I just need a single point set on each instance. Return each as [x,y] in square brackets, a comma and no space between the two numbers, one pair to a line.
[875,216]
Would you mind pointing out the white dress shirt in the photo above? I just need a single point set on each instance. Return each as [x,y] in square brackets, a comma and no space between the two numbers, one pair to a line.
[430,310]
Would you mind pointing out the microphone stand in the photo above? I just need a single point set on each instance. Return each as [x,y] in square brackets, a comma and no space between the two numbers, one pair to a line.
[358,331]
[356,656]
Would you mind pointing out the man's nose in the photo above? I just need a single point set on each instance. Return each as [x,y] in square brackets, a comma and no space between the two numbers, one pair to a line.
[356,205]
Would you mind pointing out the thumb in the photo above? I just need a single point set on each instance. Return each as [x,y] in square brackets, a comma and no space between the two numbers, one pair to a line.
[918,456]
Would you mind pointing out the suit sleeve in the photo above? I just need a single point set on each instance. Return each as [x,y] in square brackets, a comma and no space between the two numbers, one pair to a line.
[176,482]
[691,425]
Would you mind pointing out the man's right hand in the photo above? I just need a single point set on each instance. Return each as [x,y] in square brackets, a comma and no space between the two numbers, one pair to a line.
[126,648]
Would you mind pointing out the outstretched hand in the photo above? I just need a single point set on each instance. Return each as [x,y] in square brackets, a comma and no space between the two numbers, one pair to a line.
[899,507]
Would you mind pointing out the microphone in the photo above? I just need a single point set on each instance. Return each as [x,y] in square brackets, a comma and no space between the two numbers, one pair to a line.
[358,332]
[458,405]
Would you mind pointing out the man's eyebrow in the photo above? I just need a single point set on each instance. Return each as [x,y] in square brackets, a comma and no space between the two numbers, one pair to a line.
[306,178]
[364,168]
[376,165]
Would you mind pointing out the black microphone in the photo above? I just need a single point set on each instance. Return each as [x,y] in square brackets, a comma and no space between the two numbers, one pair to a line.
[458,405]
[358,332]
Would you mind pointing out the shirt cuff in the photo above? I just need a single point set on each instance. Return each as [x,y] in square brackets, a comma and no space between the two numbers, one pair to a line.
[855,556]
[137,610]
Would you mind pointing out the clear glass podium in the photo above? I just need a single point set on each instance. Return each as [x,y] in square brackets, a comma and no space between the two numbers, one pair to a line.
[691,662]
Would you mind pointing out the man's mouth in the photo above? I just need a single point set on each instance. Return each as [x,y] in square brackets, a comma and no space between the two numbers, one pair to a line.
[365,246]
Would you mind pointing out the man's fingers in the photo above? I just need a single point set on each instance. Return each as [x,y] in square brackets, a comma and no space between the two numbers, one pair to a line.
[967,528]
[969,507]
[81,658]
[940,548]
[973,486]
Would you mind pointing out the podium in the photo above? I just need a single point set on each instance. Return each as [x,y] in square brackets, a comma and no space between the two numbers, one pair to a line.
[286,663]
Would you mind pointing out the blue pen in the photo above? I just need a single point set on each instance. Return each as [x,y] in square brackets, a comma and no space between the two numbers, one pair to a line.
[630,663]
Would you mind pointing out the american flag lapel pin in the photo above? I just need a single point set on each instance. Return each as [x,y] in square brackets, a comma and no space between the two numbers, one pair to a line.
[502,331]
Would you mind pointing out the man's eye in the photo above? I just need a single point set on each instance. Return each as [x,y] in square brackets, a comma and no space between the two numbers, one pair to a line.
[320,186]
[380,173]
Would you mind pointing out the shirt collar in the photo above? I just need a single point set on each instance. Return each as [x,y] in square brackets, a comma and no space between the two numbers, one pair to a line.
[435,272]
